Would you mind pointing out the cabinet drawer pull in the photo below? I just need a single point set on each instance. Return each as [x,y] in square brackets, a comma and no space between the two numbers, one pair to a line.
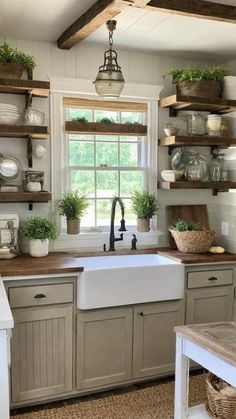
[212,278]
[40,296]
[141,313]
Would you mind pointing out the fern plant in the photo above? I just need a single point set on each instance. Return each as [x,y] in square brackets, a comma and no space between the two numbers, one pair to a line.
[72,205]
[40,228]
[183,225]
[144,204]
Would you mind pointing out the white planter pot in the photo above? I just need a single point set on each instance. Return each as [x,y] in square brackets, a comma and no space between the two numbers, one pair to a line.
[38,248]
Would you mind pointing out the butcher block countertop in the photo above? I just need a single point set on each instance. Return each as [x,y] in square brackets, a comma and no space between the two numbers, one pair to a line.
[219,338]
[55,262]
[190,258]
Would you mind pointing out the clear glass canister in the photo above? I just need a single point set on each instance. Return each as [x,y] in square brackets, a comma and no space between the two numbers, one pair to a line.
[224,127]
[213,125]
[194,169]
[196,124]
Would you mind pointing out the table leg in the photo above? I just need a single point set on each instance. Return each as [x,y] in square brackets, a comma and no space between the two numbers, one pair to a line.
[181,380]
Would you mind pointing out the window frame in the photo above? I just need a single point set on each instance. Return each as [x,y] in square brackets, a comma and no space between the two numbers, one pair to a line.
[61,87]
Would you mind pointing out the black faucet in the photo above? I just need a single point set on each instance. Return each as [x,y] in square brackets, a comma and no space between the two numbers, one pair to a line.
[133,242]
[112,238]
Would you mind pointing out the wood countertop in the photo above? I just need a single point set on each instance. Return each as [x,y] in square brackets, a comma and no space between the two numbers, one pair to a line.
[190,258]
[219,338]
[55,262]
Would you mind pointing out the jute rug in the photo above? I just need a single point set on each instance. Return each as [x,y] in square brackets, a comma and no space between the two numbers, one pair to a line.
[155,401]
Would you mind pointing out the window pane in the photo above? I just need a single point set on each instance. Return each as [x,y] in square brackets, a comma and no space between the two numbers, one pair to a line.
[99,114]
[130,217]
[132,117]
[81,153]
[107,137]
[107,184]
[83,180]
[130,181]
[129,155]
[130,138]
[103,212]
[82,137]
[88,220]
[107,154]
[81,113]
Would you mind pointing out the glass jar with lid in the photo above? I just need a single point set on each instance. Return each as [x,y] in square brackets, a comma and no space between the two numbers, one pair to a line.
[194,170]
[196,124]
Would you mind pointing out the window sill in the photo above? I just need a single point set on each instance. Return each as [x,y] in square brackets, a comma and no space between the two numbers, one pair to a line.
[95,241]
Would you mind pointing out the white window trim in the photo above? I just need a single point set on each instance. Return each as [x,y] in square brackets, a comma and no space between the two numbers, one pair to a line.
[84,88]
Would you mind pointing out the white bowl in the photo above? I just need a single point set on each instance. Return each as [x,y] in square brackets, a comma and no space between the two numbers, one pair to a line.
[171,131]
[9,119]
[171,175]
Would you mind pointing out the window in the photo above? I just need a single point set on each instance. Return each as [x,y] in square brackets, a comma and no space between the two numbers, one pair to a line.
[106,165]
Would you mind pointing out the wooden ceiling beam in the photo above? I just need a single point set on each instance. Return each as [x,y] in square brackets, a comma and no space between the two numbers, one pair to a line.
[96,16]
[196,8]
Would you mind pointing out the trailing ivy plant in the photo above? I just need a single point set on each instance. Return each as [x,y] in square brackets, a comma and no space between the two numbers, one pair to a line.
[40,228]
[183,225]
[144,204]
[13,55]
[194,73]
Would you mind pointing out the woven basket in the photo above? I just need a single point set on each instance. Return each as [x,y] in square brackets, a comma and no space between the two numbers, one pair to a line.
[218,405]
[193,241]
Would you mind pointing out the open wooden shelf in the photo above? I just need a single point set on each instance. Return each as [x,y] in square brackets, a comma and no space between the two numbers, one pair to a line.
[6,197]
[24,131]
[177,102]
[219,186]
[99,128]
[202,140]
[22,87]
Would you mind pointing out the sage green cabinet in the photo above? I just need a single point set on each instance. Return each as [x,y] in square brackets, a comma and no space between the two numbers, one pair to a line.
[104,347]
[120,344]
[154,337]
[42,338]
[210,296]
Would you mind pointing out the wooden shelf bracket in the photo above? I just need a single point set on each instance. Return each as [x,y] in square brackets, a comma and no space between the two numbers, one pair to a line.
[30,151]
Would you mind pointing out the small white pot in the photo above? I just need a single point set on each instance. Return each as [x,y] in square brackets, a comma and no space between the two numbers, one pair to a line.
[38,248]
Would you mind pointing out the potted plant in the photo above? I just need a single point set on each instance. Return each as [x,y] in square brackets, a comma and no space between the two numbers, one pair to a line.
[13,62]
[72,205]
[201,82]
[39,231]
[144,205]
[191,237]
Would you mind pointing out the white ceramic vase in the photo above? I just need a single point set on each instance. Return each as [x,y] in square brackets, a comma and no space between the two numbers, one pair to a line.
[38,248]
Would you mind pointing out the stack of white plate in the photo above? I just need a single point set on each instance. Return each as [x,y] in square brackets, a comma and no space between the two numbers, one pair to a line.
[9,114]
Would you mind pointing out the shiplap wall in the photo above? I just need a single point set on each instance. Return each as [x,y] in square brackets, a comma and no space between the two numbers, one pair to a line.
[83,62]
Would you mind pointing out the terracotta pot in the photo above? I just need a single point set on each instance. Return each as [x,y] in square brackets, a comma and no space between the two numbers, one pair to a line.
[143,225]
[201,88]
[38,248]
[73,226]
[11,70]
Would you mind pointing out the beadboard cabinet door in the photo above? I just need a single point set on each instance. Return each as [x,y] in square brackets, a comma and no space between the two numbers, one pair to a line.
[154,337]
[41,352]
[104,347]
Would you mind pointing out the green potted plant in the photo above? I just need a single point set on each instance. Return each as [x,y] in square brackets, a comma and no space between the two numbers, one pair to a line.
[201,82]
[72,205]
[191,237]
[39,231]
[13,62]
[145,206]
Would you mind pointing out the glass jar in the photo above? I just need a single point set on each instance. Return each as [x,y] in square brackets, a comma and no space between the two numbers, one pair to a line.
[216,166]
[196,124]
[194,169]
[213,125]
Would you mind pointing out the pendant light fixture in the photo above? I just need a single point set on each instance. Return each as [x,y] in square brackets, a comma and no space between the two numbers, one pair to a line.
[110,81]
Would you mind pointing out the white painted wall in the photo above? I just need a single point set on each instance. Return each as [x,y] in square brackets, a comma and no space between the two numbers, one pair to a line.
[82,62]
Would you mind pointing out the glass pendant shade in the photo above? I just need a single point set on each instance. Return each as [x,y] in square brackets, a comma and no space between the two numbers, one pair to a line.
[109,81]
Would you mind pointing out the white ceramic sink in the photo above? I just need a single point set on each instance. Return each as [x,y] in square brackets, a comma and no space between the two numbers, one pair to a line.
[109,281]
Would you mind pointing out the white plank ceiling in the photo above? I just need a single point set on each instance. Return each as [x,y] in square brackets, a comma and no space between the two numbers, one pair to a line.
[137,29]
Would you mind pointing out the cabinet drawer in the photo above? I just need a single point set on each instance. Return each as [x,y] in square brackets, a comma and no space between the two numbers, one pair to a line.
[40,295]
[210,278]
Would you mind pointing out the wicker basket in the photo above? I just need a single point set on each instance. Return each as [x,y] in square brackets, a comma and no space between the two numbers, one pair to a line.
[193,241]
[219,405]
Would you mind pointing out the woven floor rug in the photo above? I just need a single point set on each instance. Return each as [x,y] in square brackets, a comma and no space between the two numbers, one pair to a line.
[153,401]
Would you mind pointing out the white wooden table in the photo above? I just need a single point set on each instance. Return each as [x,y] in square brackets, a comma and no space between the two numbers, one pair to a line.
[212,345]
